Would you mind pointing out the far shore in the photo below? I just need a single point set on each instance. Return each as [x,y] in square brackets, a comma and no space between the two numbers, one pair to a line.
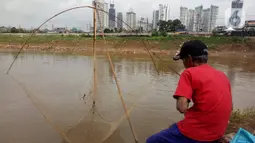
[164,47]
[231,50]
[126,46]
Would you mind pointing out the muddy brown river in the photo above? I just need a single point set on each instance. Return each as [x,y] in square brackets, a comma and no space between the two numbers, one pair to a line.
[47,98]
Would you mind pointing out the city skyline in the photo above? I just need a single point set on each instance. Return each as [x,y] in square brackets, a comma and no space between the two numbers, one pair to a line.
[198,18]
[31,14]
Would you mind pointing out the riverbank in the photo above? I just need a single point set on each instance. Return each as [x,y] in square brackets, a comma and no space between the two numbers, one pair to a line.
[240,119]
[125,46]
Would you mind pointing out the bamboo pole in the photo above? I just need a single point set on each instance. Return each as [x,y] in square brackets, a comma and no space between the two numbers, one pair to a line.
[119,89]
[94,56]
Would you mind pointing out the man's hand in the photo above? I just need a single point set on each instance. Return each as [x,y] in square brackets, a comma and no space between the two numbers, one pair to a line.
[182,104]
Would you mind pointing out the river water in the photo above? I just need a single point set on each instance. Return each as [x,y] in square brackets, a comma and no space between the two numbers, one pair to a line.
[47,98]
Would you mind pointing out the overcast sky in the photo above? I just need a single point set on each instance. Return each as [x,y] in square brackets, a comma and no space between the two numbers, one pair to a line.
[31,13]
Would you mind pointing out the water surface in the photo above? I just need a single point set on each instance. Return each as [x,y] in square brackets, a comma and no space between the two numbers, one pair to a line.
[52,86]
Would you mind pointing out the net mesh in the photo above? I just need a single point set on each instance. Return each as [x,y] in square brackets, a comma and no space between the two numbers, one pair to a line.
[68,107]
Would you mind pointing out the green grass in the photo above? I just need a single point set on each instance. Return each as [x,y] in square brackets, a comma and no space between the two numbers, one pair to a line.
[211,42]
[242,119]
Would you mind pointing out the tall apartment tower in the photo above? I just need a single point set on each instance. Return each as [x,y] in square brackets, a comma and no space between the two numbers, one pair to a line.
[198,18]
[155,19]
[100,4]
[209,18]
[190,19]
[106,16]
[164,12]
[184,16]
[205,25]
[214,11]
[112,15]
[131,20]
[120,20]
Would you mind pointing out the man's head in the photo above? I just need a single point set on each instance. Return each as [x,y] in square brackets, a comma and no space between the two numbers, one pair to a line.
[193,53]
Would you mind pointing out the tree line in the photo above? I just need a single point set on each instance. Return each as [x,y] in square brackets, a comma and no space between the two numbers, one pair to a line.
[163,28]
[17,30]
[168,26]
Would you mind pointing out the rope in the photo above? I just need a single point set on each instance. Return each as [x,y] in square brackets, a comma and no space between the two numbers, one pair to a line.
[34,31]
[94,55]
[119,90]
[134,103]
[143,41]
[165,63]
[45,116]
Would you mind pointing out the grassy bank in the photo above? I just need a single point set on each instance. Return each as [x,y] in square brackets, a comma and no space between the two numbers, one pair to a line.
[242,119]
[210,41]
[122,45]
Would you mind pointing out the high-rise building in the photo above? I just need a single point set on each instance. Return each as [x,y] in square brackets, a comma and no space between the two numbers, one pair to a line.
[190,19]
[198,18]
[100,14]
[106,16]
[120,20]
[187,18]
[214,10]
[155,19]
[209,18]
[184,16]
[164,12]
[205,25]
[144,25]
[131,20]
[112,16]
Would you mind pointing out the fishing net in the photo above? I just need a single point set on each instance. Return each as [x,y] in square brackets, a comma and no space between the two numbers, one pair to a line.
[79,113]
[66,107]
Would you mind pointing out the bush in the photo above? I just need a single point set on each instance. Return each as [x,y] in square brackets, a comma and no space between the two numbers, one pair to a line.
[155,33]
[163,33]
[84,35]
[237,39]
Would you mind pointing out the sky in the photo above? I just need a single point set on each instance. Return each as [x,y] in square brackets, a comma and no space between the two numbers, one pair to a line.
[31,13]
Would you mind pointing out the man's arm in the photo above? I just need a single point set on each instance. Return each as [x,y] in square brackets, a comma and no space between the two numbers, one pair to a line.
[182,104]
[230,90]
[184,91]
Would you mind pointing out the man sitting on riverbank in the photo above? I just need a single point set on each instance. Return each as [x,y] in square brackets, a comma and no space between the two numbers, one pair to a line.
[209,90]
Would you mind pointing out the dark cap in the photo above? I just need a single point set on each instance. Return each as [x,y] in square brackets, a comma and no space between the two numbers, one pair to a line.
[193,48]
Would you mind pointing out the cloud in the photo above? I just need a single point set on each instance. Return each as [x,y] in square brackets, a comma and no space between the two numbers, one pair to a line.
[31,13]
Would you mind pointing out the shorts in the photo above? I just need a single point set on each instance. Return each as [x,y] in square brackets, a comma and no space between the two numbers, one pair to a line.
[172,135]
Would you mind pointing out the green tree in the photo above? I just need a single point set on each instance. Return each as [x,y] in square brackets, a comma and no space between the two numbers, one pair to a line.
[14,30]
[140,29]
[155,33]
[115,30]
[21,30]
[106,30]
[170,26]
[120,30]
[162,26]
[176,25]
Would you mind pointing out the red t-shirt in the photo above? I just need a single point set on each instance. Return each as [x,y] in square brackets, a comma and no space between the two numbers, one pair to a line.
[210,91]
